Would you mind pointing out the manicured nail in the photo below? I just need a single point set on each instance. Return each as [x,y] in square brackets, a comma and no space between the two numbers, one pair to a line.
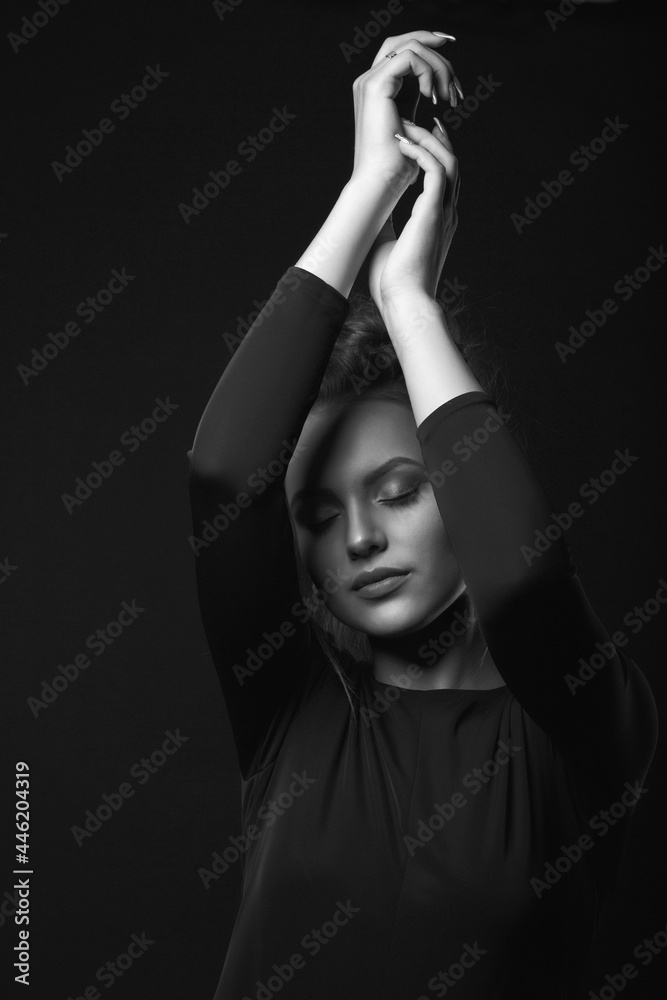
[443,35]
[440,125]
[403,139]
[453,100]
[458,87]
[407,121]
[434,96]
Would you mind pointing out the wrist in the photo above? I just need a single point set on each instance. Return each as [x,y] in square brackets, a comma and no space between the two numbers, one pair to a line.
[340,247]
[400,304]
[378,188]
[410,314]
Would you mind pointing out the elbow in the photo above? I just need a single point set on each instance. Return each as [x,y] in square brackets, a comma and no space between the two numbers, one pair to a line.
[200,469]
[205,469]
[522,596]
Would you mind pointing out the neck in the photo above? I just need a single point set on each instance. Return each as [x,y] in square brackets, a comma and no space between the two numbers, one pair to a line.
[449,652]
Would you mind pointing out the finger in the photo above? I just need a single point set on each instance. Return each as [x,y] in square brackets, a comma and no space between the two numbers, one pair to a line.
[443,71]
[432,72]
[436,180]
[441,134]
[439,145]
[394,42]
[426,52]
[437,158]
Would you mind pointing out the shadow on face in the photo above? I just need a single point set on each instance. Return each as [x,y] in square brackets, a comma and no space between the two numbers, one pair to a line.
[360,499]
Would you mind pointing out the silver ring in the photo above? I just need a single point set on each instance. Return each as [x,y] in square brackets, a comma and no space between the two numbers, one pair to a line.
[390,55]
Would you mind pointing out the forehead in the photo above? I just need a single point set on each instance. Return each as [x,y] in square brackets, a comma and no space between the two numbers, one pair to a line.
[341,443]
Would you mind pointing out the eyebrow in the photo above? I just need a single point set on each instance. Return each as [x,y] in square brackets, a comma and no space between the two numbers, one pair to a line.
[366,480]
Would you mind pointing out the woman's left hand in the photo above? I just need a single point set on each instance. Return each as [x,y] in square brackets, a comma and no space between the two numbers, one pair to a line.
[413,263]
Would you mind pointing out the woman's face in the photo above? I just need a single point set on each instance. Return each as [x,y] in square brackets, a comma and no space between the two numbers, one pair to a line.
[360,499]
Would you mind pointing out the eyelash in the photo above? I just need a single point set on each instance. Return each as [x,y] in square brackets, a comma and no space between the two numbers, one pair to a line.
[403,500]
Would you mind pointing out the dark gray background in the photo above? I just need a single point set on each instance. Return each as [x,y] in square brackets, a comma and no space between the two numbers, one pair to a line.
[163,336]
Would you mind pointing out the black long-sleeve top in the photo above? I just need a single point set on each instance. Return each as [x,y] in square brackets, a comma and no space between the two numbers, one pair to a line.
[448,838]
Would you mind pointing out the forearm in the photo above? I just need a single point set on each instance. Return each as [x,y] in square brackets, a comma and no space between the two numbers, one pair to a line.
[264,393]
[343,242]
[432,365]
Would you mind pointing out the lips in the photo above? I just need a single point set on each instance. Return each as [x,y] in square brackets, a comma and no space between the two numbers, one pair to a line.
[367,577]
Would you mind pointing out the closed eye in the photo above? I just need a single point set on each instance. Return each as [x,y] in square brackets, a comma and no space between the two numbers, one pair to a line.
[402,499]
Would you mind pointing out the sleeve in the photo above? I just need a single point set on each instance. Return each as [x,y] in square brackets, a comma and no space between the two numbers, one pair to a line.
[554,654]
[247,584]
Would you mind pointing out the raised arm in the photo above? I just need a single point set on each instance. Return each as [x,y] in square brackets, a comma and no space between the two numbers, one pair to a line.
[247,583]
[253,616]
[533,612]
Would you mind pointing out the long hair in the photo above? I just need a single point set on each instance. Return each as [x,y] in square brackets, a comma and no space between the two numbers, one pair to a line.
[363,362]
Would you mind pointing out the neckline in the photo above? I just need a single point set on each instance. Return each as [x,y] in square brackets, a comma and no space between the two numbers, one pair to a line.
[367,671]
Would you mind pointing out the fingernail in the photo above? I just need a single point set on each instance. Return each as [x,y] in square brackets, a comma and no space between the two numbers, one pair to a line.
[403,139]
[453,100]
[440,125]
[458,87]
[443,35]
[434,96]
[407,121]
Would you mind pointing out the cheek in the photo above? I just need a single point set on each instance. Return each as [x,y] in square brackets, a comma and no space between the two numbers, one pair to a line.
[318,553]
[428,531]
[434,556]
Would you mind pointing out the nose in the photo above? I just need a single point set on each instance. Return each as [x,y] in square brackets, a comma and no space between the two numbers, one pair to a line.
[365,533]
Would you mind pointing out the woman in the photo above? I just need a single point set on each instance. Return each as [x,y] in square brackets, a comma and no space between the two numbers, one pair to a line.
[428,811]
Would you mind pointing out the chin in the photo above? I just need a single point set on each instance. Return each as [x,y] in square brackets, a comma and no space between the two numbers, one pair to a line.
[388,620]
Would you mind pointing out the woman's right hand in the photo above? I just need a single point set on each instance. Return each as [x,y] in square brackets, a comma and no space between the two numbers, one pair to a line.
[376,153]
